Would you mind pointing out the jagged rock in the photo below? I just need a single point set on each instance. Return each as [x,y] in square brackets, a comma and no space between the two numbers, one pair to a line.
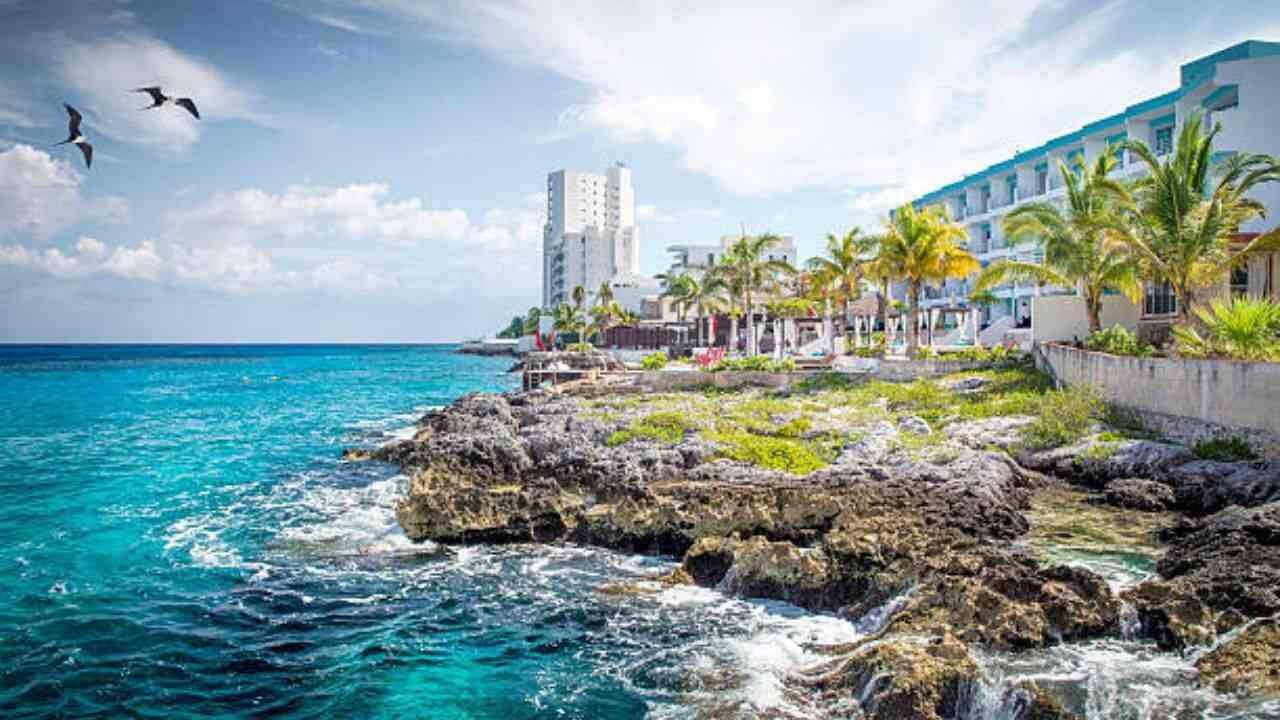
[1136,494]
[971,384]
[357,454]
[902,678]
[1207,486]
[1248,663]
[1029,701]
[914,425]
[998,432]
[877,443]
[1219,571]
[1095,462]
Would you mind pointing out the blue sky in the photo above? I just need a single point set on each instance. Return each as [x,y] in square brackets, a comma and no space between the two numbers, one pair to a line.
[372,170]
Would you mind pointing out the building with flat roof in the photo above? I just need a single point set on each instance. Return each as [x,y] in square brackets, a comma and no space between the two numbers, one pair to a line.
[697,259]
[1238,87]
[590,235]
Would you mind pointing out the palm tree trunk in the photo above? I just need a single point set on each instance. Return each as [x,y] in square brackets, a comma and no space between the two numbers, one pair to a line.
[1093,306]
[913,318]
[883,307]
[751,327]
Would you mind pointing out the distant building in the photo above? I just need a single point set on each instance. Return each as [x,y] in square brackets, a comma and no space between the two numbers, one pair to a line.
[696,259]
[1238,87]
[590,235]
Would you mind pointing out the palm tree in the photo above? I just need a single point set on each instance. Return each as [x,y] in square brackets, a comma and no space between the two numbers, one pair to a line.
[679,288]
[531,320]
[1180,218]
[744,272]
[980,299]
[564,319]
[923,246]
[706,299]
[579,296]
[846,267]
[1079,251]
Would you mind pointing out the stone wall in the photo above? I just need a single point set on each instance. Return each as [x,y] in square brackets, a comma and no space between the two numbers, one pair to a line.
[1189,400]
[676,380]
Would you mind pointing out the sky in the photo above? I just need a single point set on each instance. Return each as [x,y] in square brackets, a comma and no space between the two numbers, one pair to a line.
[374,170]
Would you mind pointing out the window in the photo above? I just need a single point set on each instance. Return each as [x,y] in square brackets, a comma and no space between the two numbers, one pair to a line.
[1160,299]
[1240,281]
[711,258]
[1164,140]
[1042,181]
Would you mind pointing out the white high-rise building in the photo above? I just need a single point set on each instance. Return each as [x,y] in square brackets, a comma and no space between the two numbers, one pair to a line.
[590,236]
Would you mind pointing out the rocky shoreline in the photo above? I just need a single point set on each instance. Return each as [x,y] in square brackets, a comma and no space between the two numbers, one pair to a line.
[915,527]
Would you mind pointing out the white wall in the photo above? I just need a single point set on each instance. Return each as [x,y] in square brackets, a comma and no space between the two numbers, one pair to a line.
[1062,318]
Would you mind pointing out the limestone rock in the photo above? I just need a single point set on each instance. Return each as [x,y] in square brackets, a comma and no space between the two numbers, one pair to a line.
[1137,494]
[901,678]
[1206,486]
[1248,663]
[1096,463]
[914,425]
[998,432]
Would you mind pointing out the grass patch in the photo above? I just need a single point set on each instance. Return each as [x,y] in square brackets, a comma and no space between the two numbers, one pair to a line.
[665,427]
[775,453]
[824,381]
[1232,448]
[796,428]
[1064,417]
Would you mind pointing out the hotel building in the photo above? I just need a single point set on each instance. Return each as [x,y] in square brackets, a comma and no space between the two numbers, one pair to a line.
[696,259]
[1238,87]
[590,236]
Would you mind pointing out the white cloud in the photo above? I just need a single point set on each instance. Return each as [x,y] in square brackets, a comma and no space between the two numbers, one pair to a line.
[104,71]
[351,240]
[40,195]
[138,263]
[771,99]
[88,257]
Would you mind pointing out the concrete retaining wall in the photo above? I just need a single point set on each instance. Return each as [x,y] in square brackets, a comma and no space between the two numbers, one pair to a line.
[676,380]
[1059,318]
[1189,400]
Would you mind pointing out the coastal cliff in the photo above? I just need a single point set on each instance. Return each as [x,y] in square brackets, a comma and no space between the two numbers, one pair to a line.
[926,517]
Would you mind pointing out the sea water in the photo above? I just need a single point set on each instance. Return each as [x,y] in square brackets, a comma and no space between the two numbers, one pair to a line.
[178,538]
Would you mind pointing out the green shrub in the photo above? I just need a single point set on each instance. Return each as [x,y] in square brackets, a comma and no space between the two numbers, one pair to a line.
[1064,417]
[874,350]
[1118,341]
[796,428]
[580,347]
[666,427]
[924,352]
[824,380]
[1239,329]
[757,363]
[774,453]
[1225,449]
[654,361]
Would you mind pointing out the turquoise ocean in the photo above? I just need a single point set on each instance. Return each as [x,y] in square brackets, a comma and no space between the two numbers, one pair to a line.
[178,538]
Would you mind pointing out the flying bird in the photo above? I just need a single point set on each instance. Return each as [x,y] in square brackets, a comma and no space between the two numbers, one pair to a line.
[158,99]
[75,137]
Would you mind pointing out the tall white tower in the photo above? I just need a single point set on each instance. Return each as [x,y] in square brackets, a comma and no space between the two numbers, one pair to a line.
[590,235]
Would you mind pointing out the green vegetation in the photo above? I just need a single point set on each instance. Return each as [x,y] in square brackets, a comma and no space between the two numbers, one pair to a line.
[1118,341]
[755,363]
[665,427]
[1225,449]
[654,361]
[775,453]
[1181,217]
[1238,329]
[580,347]
[824,380]
[1064,417]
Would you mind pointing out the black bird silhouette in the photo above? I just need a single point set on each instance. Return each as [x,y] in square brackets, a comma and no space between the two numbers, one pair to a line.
[75,137]
[158,99]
